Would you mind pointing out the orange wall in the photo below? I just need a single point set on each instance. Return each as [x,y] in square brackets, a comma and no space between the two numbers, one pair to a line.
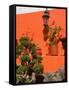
[33,23]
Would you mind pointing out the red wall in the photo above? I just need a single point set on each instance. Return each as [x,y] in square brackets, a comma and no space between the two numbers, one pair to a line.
[33,23]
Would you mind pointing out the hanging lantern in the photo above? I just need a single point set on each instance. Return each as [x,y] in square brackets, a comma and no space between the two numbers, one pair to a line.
[46,17]
[45,23]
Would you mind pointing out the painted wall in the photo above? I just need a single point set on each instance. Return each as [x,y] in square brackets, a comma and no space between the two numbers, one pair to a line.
[32,24]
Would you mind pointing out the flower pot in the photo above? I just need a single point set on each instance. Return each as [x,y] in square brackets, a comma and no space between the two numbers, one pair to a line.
[53,50]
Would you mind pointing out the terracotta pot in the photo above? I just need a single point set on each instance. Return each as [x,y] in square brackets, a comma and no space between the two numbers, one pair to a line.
[53,50]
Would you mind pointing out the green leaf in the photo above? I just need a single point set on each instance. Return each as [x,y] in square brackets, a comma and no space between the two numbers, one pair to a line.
[38,68]
[28,81]
[32,48]
[39,58]
[25,41]
[34,61]
[22,69]
[18,50]
[25,58]
[53,43]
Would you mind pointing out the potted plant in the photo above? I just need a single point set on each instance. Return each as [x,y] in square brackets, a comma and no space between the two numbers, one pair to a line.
[30,57]
[53,39]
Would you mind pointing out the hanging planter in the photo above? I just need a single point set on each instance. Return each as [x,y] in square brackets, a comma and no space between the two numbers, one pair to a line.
[53,40]
[53,49]
[53,46]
